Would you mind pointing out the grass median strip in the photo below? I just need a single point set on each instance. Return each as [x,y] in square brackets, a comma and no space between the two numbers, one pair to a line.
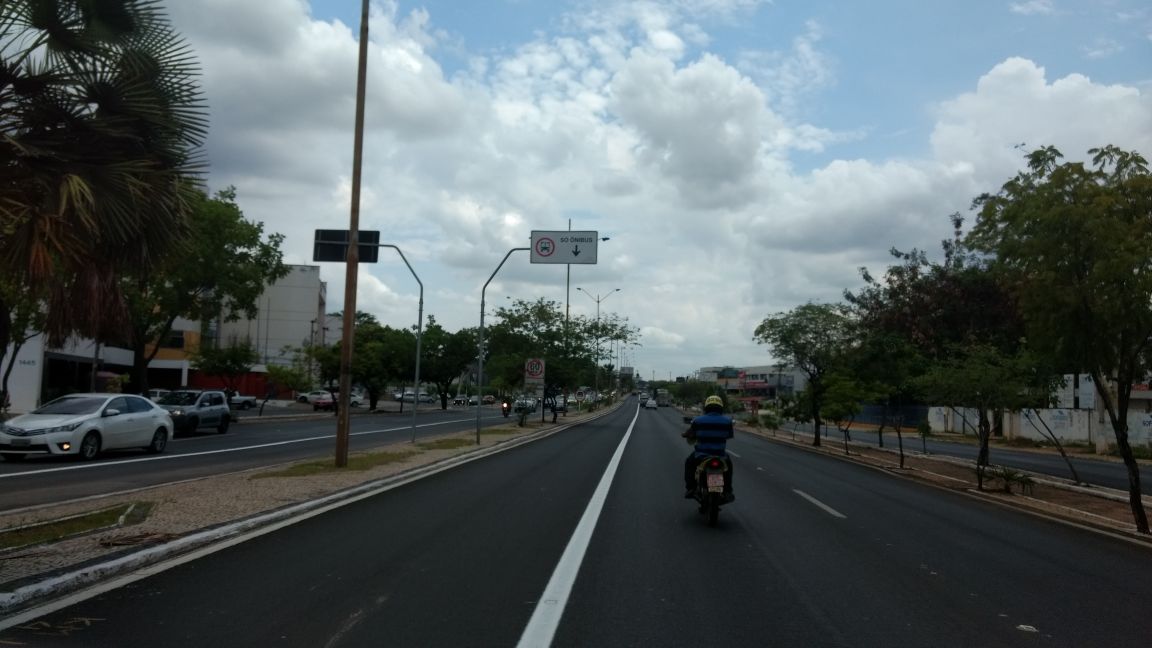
[364,461]
[54,530]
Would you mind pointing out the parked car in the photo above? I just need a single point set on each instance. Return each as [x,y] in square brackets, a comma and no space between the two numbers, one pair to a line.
[424,397]
[326,402]
[193,409]
[156,394]
[488,399]
[242,402]
[85,425]
[313,395]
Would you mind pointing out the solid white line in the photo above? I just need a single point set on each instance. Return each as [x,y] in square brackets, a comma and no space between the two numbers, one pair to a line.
[245,530]
[170,457]
[735,455]
[827,509]
[550,608]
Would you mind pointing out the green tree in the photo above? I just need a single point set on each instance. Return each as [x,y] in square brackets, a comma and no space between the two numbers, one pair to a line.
[536,329]
[811,337]
[101,121]
[445,357]
[221,272]
[1072,241]
[292,377]
[985,378]
[928,316]
[843,395]
[229,363]
[25,320]
[693,392]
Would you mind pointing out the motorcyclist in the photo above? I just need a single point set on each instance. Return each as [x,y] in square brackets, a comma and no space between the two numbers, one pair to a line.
[710,433]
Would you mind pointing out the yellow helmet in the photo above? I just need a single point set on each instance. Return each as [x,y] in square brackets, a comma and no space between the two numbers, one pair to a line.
[714,403]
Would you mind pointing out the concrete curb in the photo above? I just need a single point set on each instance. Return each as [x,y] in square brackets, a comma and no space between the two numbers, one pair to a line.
[22,597]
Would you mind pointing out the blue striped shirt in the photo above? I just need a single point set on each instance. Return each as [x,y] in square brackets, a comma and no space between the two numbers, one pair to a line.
[711,432]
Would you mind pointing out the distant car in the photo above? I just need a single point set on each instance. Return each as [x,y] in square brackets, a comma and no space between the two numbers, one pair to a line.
[85,425]
[193,409]
[155,394]
[651,404]
[424,397]
[311,396]
[488,399]
[325,402]
[243,402]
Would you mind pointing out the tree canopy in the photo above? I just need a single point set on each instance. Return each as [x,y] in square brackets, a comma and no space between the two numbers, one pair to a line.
[1072,242]
[102,121]
[221,271]
[812,337]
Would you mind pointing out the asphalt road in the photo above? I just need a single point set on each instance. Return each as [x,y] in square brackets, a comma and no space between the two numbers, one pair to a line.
[814,552]
[247,444]
[1099,472]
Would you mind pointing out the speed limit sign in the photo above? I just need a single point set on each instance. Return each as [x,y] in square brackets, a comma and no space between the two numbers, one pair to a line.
[534,371]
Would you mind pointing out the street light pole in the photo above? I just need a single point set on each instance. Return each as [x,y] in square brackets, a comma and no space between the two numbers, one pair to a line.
[597,299]
[480,341]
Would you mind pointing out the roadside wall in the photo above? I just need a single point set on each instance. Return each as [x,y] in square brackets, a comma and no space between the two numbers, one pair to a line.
[1068,425]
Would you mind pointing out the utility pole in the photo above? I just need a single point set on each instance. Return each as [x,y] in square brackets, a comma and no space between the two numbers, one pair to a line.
[353,259]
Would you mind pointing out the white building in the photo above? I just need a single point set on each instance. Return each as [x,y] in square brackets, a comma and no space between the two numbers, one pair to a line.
[291,313]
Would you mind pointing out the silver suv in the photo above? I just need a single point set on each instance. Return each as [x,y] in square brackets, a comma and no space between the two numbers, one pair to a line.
[193,409]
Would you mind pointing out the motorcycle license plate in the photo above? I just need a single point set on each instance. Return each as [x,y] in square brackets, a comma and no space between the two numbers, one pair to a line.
[716,483]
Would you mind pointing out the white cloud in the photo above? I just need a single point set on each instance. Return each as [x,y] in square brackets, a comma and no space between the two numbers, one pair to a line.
[1032,7]
[1014,104]
[1102,48]
[622,124]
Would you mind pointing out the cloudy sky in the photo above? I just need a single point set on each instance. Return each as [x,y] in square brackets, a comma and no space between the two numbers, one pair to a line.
[743,156]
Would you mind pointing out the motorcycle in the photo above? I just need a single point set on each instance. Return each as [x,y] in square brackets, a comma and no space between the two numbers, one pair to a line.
[505,408]
[710,487]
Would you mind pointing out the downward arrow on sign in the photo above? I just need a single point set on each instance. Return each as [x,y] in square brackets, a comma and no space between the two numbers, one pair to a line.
[576,251]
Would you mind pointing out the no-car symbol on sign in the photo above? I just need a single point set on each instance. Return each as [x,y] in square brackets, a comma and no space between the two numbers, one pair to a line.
[545,247]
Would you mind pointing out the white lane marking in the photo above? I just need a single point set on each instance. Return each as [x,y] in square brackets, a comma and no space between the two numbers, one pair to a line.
[735,455]
[550,608]
[827,509]
[170,457]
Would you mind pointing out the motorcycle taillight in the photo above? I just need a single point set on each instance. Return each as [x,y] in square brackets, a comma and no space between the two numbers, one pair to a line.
[715,463]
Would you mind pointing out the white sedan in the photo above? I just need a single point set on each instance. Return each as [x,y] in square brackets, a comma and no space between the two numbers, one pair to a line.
[650,404]
[86,424]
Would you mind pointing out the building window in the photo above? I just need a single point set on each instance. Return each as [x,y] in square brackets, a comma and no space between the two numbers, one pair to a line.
[175,340]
